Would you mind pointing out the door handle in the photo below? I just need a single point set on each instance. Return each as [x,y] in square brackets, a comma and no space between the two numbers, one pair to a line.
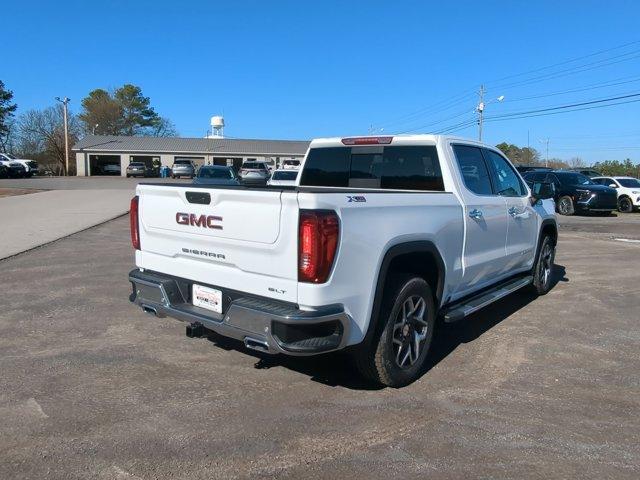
[475,213]
[515,213]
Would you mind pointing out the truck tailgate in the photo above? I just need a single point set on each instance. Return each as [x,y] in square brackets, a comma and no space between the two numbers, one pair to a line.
[241,239]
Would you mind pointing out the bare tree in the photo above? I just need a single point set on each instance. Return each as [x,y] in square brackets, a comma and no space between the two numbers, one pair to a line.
[42,132]
[164,128]
[577,162]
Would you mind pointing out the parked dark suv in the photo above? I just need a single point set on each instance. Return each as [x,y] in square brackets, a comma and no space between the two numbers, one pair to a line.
[575,192]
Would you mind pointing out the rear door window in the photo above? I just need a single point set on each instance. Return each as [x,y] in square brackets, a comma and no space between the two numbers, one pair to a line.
[474,169]
[391,168]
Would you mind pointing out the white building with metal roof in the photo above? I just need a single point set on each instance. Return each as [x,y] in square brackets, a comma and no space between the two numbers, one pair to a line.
[110,155]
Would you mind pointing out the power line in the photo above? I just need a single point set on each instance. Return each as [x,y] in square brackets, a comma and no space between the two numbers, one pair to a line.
[561,107]
[443,105]
[449,103]
[465,112]
[546,111]
[565,111]
[586,88]
[570,71]
[565,62]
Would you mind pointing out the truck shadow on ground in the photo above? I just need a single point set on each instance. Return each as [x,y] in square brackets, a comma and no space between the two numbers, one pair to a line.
[337,369]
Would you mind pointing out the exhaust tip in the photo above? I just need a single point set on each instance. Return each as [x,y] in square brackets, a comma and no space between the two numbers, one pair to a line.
[149,310]
[254,344]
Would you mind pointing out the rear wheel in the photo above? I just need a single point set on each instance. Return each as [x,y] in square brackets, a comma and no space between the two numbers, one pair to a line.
[625,205]
[396,355]
[565,206]
[543,267]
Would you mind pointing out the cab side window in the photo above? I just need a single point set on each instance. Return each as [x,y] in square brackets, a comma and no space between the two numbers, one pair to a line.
[473,168]
[505,180]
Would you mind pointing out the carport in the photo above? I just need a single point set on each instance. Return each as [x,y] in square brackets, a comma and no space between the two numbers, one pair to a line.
[95,152]
[97,164]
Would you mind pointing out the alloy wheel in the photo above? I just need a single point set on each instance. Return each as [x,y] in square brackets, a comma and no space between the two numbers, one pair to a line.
[546,260]
[625,205]
[410,331]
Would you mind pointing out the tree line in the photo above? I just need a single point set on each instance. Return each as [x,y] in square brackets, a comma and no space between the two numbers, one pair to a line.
[530,156]
[39,133]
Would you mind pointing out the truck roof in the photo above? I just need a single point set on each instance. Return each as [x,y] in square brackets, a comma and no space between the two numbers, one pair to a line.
[388,140]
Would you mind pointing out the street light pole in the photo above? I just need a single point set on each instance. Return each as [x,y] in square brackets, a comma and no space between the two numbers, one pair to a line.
[65,101]
[480,108]
[480,111]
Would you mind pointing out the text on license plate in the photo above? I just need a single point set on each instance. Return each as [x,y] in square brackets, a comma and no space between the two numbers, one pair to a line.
[208,298]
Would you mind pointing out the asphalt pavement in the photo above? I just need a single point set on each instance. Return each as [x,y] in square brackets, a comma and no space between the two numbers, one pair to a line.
[83,183]
[91,387]
[60,206]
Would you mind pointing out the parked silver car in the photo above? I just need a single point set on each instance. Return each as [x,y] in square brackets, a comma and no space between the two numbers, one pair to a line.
[183,168]
[139,169]
[254,172]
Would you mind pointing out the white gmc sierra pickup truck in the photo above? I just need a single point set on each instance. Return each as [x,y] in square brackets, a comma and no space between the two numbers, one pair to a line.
[379,237]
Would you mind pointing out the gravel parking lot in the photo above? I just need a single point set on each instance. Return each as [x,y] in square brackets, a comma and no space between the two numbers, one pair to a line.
[528,388]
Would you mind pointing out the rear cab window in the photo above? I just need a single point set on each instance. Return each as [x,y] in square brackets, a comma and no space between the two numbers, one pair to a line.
[284,175]
[473,168]
[394,167]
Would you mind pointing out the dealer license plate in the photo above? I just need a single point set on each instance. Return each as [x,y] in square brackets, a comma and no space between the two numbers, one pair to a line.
[208,298]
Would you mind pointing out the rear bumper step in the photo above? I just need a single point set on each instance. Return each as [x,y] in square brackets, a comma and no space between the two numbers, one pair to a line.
[465,307]
[262,324]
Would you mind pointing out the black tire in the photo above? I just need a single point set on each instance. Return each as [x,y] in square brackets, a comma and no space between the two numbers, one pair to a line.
[390,358]
[565,206]
[542,270]
[625,205]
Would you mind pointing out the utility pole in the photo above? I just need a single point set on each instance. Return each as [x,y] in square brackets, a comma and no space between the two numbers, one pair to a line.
[546,160]
[65,101]
[480,110]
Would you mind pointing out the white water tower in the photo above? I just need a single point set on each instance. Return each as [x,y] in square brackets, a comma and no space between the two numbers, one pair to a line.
[217,126]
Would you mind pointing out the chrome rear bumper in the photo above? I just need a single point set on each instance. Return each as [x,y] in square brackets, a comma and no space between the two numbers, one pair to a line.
[262,324]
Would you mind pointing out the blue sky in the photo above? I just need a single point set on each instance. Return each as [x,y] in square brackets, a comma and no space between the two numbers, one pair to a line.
[297,70]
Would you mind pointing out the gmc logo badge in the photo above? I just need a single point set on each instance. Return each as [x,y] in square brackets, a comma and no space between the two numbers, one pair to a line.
[205,221]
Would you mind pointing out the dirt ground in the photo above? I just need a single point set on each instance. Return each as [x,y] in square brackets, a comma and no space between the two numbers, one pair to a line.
[91,387]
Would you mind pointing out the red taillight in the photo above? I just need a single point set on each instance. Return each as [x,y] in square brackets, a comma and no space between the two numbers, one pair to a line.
[367,140]
[135,224]
[317,244]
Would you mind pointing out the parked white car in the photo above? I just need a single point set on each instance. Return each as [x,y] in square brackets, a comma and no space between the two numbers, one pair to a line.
[290,164]
[628,189]
[380,236]
[283,178]
[30,166]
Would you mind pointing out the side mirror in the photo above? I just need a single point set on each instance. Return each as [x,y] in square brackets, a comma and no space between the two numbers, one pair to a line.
[613,185]
[542,191]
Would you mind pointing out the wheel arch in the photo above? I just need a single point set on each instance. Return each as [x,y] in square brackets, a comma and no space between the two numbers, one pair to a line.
[421,257]
[548,227]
